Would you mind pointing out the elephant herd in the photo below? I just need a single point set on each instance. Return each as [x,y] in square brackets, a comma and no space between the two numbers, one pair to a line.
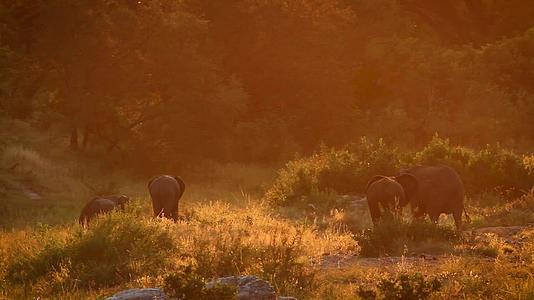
[430,190]
[165,191]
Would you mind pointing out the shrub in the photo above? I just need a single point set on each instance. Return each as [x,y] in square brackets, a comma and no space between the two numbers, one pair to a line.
[392,235]
[340,171]
[188,284]
[404,286]
[117,248]
[493,168]
[439,151]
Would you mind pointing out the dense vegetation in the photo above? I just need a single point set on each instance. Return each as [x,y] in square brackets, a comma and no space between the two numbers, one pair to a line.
[257,81]
[309,180]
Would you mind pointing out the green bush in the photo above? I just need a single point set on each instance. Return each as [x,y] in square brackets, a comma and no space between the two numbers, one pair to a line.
[498,168]
[117,248]
[493,168]
[392,235]
[440,151]
[403,287]
[340,171]
[188,284]
[317,179]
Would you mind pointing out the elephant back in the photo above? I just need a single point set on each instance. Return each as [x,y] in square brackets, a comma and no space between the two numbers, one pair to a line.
[439,184]
[384,187]
[164,186]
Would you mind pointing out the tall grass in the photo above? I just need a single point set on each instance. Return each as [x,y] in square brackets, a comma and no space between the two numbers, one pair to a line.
[128,249]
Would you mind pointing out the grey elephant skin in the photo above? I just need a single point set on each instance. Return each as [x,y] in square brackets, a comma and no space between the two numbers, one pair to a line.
[440,190]
[100,205]
[166,191]
[389,194]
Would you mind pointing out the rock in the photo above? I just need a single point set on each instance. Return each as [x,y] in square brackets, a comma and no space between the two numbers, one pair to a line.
[140,294]
[248,287]
[287,298]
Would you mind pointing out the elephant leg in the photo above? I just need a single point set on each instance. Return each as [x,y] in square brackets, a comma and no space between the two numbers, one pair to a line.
[374,210]
[457,215]
[158,208]
[174,212]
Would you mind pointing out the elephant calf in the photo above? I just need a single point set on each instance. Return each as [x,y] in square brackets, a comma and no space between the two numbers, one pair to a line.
[390,193]
[166,191]
[101,204]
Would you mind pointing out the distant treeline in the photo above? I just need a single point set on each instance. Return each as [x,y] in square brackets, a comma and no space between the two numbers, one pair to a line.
[162,82]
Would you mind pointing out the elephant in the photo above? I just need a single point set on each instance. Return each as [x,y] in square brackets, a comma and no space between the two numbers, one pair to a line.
[391,193]
[440,190]
[101,204]
[166,191]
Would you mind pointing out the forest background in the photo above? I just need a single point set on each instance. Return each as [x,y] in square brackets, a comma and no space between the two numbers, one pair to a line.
[153,86]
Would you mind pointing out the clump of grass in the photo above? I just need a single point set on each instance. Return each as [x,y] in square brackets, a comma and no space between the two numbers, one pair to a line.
[117,248]
[127,249]
[517,212]
[404,286]
[224,242]
[187,283]
[393,235]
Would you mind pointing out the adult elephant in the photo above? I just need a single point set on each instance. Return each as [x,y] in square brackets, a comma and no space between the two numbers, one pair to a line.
[166,191]
[100,205]
[390,193]
[440,190]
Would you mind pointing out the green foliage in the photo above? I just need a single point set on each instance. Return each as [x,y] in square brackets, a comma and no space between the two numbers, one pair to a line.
[392,236]
[493,168]
[311,180]
[317,179]
[115,249]
[403,287]
[188,284]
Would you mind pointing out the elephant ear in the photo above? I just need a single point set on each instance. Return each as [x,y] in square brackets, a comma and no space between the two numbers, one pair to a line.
[410,185]
[372,180]
[181,184]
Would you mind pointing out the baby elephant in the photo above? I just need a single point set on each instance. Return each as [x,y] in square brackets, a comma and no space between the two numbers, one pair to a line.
[101,204]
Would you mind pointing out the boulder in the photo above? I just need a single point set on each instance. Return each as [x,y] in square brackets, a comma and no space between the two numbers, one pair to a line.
[140,294]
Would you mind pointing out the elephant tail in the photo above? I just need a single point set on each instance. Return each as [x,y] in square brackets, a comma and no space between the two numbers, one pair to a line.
[467,217]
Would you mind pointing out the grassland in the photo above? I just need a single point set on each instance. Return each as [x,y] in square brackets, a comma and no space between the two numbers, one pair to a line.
[229,228]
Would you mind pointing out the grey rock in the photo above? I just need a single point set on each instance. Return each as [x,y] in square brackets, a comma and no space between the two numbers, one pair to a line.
[140,294]
[248,287]
[286,298]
